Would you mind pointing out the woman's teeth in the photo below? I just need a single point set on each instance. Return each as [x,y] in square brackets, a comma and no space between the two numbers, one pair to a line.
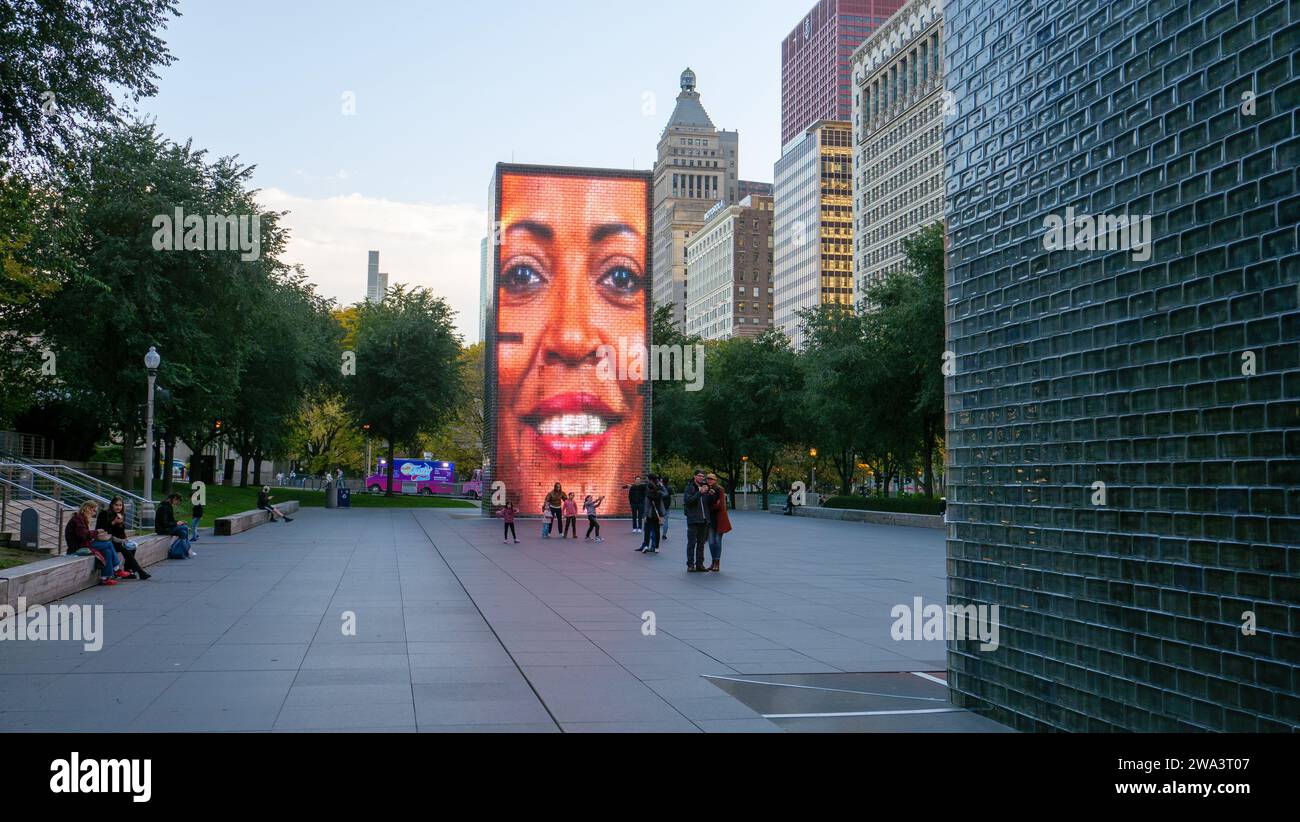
[572,425]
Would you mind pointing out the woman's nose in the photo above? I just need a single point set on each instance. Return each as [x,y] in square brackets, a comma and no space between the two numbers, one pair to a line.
[573,337]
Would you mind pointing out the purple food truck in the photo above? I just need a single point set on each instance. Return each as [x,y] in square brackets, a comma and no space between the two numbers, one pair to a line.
[412,476]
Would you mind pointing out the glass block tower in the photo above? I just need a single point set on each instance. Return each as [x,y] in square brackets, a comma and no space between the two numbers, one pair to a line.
[1124,417]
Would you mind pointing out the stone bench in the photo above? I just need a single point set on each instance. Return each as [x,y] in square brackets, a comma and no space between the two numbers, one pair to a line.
[237,523]
[57,577]
[872,517]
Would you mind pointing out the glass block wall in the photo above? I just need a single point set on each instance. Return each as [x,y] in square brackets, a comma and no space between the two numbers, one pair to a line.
[1124,420]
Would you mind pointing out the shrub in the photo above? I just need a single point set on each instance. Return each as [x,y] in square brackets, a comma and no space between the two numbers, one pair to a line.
[899,505]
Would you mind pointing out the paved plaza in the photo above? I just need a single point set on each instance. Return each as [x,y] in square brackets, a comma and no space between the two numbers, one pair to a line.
[455,631]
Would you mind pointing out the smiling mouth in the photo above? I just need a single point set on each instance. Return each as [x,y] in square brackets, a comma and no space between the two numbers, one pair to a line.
[572,427]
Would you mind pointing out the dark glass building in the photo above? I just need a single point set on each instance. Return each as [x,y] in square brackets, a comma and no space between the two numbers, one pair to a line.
[1124,418]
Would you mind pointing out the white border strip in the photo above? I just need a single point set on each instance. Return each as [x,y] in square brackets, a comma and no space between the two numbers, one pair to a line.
[864,713]
[816,688]
[933,679]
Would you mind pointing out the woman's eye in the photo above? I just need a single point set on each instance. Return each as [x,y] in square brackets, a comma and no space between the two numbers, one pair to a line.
[521,279]
[622,280]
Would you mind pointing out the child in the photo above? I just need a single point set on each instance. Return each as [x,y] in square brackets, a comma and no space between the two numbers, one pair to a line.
[196,514]
[570,516]
[590,507]
[508,515]
[546,523]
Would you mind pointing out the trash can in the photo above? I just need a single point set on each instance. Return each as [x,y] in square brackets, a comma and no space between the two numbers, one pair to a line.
[331,499]
[345,497]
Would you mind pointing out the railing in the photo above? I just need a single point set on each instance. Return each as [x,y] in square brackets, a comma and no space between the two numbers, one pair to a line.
[134,505]
[25,446]
[27,486]
[51,511]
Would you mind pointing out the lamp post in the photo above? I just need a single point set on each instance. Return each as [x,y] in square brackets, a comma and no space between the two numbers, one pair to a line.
[151,362]
[812,452]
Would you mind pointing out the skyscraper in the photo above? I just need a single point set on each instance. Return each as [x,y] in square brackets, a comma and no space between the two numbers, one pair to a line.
[376,281]
[815,60]
[696,167]
[729,263]
[813,225]
[898,111]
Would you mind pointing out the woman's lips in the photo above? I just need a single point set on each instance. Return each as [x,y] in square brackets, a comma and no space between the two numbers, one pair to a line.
[571,427]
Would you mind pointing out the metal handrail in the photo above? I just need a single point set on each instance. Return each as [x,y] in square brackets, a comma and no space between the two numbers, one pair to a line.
[121,492]
[61,508]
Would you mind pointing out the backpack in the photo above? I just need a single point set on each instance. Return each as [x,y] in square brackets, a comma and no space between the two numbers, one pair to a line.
[180,549]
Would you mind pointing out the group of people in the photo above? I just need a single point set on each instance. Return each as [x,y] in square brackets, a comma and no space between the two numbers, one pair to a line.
[704,503]
[335,476]
[559,510]
[102,534]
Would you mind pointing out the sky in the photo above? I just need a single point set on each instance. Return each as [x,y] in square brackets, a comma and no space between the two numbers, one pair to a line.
[439,93]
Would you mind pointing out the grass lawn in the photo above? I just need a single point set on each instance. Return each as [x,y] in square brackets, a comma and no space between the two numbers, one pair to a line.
[224,500]
[13,557]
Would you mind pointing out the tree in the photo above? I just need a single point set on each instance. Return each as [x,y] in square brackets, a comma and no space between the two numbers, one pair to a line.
[461,441]
[408,372]
[673,433]
[60,64]
[770,389]
[123,296]
[294,347]
[323,434]
[906,326]
[837,382]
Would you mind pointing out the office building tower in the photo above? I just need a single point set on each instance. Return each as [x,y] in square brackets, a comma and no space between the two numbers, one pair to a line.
[898,111]
[729,266]
[813,225]
[815,61]
[376,281]
[696,167]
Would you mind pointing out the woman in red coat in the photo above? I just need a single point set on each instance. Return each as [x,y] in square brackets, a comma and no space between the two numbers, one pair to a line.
[719,522]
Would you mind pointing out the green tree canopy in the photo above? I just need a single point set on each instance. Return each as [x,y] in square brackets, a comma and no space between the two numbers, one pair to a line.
[409,377]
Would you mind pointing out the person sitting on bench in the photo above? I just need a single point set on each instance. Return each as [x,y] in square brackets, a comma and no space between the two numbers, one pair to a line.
[264,503]
[164,522]
[81,536]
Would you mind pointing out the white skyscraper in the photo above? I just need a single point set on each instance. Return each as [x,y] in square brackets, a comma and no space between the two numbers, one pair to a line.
[376,281]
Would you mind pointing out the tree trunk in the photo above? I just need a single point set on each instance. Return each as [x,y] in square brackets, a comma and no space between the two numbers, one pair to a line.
[243,460]
[128,457]
[257,467]
[929,458]
[169,453]
[389,492]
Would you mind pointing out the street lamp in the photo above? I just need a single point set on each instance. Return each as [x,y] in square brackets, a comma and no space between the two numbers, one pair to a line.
[151,362]
[812,452]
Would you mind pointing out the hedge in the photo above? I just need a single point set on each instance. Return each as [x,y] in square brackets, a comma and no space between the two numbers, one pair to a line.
[897,505]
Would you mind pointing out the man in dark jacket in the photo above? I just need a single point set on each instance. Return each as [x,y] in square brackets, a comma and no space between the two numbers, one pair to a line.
[636,499]
[696,501]
[653,509]
[164,522]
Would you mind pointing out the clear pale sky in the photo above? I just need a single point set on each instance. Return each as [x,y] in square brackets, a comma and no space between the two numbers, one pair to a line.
[442,92]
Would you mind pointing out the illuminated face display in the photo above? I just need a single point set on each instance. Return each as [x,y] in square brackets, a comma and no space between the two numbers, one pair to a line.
[571,296]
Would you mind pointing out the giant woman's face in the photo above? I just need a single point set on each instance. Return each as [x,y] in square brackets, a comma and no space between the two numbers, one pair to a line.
[572,288]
